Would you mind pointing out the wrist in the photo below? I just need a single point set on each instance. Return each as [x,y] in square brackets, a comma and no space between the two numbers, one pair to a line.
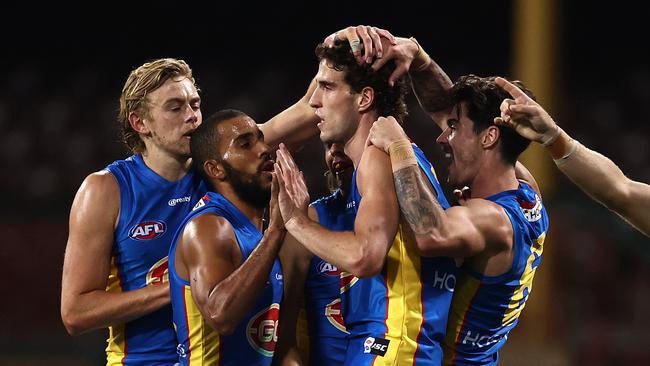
[295,222]
[401,155]
[421,59]
[550,137]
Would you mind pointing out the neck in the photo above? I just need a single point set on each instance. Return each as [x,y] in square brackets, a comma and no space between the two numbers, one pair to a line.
[254,214]
[355,146]
[165,165]
[494,177]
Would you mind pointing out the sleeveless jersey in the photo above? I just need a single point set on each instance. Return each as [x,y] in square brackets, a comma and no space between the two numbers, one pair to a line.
[253,341]
[399,317]
[327,333]
[486,308]
[151,208]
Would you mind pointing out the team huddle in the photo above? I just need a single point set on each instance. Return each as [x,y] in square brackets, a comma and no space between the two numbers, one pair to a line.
[203,249]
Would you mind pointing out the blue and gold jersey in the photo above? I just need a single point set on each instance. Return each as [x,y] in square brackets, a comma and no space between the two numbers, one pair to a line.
[327,333]
[253,341]
[151,208]
[399,317]
[486,308]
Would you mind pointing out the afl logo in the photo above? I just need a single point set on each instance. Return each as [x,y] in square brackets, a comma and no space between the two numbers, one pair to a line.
[262,330]
[328,269]
[334,316]
[159,273]
[147,230]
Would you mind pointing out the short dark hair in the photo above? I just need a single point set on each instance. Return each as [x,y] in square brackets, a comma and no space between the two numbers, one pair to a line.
[205,139]
[483,97]
[389,100]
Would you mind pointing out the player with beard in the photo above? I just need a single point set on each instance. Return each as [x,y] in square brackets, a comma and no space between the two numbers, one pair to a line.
[225,276]
[316,280]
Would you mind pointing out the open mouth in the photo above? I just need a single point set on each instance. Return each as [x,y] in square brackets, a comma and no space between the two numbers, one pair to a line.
[267,166]
[341,164]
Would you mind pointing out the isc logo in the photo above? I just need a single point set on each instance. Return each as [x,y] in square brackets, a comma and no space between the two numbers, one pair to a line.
[147,230]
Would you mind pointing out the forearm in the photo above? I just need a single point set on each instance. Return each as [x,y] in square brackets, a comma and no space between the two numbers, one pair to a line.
[99,309]
[418,204]
[604,181]
[232,298]
[294,125]
[340,248]
[431,84]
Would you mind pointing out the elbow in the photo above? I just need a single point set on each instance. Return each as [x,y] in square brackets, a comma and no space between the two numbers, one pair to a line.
[222,323]
[73,323]
[364,265]
[430,245]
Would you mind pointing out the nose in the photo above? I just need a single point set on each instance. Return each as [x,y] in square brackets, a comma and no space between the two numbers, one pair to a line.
[444,137]
[193,114]
[264,150]
[314,100]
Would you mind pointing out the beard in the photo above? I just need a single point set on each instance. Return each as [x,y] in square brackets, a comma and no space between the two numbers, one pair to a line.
[249,190]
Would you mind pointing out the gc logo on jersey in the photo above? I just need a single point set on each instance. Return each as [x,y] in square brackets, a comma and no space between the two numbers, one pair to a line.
[262,330]
[158,273]
[334,316]
[147,230]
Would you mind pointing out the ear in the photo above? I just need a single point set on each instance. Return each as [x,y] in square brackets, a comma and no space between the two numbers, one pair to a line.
[367,99]
[137,123]
[490,137]
[215,169]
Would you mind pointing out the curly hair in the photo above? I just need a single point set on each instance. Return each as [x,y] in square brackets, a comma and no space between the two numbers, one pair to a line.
[483,97]
[389,100]
[140,83]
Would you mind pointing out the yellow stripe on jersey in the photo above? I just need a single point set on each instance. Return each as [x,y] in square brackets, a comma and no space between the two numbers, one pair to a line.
[465,291]
[204,342]
[517,301]
[116,344]
[405,312]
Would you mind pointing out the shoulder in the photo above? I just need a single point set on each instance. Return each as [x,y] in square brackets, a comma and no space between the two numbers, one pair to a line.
[101,185]
[490,219]
[374,169]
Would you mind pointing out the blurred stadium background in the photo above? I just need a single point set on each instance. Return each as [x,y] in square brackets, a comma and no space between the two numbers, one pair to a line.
[62,73]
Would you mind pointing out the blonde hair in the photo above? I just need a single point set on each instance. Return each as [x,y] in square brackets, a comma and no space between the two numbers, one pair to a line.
[141,82]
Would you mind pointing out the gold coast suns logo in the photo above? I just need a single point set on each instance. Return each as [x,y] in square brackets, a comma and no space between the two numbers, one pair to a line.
[158,273]
[334,315]
[262,330]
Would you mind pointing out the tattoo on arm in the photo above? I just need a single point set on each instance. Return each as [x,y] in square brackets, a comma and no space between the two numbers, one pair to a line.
[418,203]
[431,86]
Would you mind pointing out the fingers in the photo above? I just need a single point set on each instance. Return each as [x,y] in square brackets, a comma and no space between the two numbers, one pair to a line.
[399,71]
[511,88]
[376,42]
[524,109]
[386,34]
[284,156]
[462,195]
[275,188]
[368,48]
[501,122]
[350,33]
[379,63]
